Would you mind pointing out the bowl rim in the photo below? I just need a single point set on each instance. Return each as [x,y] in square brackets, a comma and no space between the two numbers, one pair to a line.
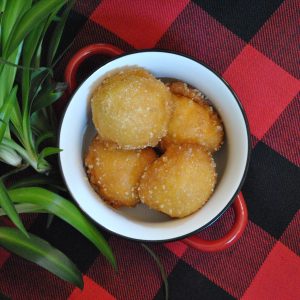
[249,148]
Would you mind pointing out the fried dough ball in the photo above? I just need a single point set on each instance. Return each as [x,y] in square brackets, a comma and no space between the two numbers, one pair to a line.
[180,181]
[115,173]
[193,120]
[131,108]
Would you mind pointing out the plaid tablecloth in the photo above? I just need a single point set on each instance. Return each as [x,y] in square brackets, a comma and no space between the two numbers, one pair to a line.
[255,46]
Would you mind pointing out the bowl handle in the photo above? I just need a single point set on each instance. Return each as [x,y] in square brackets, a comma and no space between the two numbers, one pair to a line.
[241,219]
[81,56]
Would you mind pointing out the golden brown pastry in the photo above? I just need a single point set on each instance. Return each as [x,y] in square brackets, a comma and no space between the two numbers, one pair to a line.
[115,173]
[131,108]
[180,181]
[193,120]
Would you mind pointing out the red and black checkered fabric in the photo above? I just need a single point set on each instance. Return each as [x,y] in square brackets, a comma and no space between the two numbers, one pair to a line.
[255,46]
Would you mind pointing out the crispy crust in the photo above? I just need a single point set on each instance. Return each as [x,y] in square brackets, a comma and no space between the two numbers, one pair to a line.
[132,108]
[194,120]
[180,181]
[115,173]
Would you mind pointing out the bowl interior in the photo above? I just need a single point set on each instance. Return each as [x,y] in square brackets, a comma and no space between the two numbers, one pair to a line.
[140,222]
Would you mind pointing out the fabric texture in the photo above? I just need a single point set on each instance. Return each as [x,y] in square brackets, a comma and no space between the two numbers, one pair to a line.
[255,46]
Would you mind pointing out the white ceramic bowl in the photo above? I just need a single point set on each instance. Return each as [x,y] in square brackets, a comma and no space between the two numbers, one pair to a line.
[140,222]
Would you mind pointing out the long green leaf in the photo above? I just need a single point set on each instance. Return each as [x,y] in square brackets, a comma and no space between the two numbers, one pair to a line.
[57,33]
[161,268]
[37,78]
[2,7]
[6,110]
[24,208]
[8,207]
[52,17]
[48,96]
[41,122]
[28,157]
[12,14]
[31,18]
[19,149]
[28,93]
[66,211]
[48,135]
[9,156]
[47,151]
[38,180]
[16,120]
[42,253]
[29,47]
[8,74]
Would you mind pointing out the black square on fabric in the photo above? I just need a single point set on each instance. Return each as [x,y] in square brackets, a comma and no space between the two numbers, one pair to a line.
[242,17]
[188,284]
[73,25]
[272,190]
[68,240]
[3,297]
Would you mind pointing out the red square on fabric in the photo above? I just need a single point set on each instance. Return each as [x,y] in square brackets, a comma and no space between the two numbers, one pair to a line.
[291,236]
[275,38]
[264,88]
[278,278]
[91,291]
[233,269]
[284,135]
[138,275]
[178,248]
[140,23]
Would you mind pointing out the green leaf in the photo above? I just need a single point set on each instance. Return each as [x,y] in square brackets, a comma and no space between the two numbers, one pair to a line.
[48,96]
[24,208]
[66,211]
[161,268]
[30,20]
[47,151]
[50,219]
[16,147]
[29,48]
[27,156]
[2,5]
[43,137]
[57,33]
[42,253]
[12,14]
[5,111]
[8,207]
[36,80]
[16,120]
[9,156]
[39,123]
[8,74]
[38,180]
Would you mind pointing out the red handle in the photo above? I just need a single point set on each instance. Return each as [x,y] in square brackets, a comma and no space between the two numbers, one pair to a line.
[241,219]
[81,56]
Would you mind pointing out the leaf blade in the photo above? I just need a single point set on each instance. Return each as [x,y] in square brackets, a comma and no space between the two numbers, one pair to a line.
[8,207]
[42,253]
[24,208]
[57,33]
[66,211]
[31,18]
[6,110]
